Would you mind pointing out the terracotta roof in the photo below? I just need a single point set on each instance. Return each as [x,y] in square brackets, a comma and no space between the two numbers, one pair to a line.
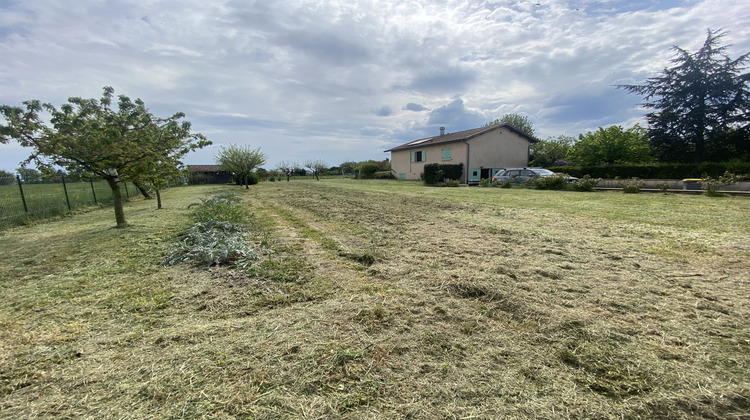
[204,168]
[459,136]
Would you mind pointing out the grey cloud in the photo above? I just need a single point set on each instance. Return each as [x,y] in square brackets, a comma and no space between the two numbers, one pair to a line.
[455,117]
[411,106]
[443,80]
[384,111]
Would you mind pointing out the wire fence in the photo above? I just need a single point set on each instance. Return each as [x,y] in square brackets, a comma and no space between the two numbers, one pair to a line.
[21,202]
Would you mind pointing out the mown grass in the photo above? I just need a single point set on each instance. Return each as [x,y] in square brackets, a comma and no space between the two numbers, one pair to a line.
[48,200]
[379,299]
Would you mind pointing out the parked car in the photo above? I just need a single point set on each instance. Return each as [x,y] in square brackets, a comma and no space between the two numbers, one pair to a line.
[519,175]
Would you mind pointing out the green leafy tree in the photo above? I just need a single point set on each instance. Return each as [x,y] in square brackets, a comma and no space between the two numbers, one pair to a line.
[240,161]
[112,141]
[611,145]
[517,121]
[548,152]
[29,175]
[700,105]
[348,167]
[7,177]
[316,166]
[367,169]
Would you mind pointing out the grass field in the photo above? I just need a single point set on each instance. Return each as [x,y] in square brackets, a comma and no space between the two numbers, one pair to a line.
[48,199]
[386,299]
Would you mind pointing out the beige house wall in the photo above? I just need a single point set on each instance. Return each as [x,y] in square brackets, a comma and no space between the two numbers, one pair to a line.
[401,160]
[499,149]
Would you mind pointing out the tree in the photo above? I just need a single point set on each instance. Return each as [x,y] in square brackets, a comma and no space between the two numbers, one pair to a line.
[29,175]
[7,177]
[288,168]
[548,152]
[701,105]
[316,166]
[240,161]
[367,169]
[611,145]
[348,167]
[517,121]
[94,136]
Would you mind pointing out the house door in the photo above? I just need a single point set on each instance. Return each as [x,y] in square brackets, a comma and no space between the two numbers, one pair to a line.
[487,173]
[474,175]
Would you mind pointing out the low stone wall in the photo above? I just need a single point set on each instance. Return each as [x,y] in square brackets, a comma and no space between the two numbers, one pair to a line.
[674,184]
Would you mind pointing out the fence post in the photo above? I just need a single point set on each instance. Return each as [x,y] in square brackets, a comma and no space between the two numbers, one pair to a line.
[65,188]
[23,198]
[93,191]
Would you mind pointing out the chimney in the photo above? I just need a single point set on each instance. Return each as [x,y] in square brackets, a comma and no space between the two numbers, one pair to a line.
[442,131]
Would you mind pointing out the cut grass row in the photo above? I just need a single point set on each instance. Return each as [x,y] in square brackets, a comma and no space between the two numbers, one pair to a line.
[48,200]
[387,299]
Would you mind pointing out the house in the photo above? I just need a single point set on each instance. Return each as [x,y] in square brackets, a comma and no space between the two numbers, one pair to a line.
[208,174]
[483,151]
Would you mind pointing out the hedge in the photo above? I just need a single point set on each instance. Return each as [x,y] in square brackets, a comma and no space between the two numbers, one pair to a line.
[657,170]
[434,172]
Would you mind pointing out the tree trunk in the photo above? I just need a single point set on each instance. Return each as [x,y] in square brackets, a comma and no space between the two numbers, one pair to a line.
[158,199]
[316,176]
[114,184]
[247,186]
[143,190]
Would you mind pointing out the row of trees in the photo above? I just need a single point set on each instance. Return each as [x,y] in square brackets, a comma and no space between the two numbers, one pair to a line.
[111,138]
[700,112]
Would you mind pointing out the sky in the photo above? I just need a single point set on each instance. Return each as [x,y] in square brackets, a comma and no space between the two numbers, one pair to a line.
[346,80]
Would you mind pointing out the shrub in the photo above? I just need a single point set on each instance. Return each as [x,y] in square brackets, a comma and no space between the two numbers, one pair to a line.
[553,182]
[506,183]
[484,182]
[663,187]
[367,170]
[712,185]
[453,183]
[211,243]
[586,184]
[631,186]
[432,174]
[227,207]
[452,171]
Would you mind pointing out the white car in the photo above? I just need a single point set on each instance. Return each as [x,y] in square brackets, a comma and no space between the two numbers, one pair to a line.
[518,175]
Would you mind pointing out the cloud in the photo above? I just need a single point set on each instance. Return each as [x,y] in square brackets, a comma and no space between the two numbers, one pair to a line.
[307,79]
[384,111]
[414,107]
[455,116]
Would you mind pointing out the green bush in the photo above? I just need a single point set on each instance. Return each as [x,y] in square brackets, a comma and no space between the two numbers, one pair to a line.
[553,182]
[227,207]
[367,170]
[484,182]
[506,183]
[586,184]
[452,171]
[432,174]
[631,186]
[712,185]
[453,183]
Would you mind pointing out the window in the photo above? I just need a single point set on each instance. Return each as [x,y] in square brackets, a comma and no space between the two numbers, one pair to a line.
[418,156]
[446,153]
